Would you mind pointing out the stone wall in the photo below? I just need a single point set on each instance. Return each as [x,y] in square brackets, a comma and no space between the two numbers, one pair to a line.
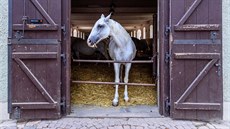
[3,58]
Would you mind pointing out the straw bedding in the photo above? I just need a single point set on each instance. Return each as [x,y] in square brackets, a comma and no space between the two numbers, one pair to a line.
[102,95]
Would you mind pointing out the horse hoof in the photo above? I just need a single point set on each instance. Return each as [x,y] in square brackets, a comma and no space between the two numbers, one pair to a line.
[115,104]
[126,99]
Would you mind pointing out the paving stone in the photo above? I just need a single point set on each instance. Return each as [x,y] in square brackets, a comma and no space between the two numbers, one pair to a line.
[11,123]
[118,127]
[98,125]
[139,127]
[198,123]
[126,127]
[31,123]
[92,127]
[30,127]
[210,126]
[189,126]
[111,127]
[118,123]
[179,127]
[21,125]
[203,127]
[220,126]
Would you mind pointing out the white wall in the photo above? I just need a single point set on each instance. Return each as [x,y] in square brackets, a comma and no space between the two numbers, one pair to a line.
[226,58]
[3,58]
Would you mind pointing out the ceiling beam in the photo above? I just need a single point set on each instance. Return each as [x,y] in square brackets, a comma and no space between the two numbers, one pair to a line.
[122,22]
[117,10]
[80,16]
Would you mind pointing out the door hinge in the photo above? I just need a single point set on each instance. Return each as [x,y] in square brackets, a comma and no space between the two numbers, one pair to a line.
[167,105]
[62,101]
[63,28]
[213,36]
[17,113]
[63,58]
[167,30]
[218,65]
[63,104]
[167,57]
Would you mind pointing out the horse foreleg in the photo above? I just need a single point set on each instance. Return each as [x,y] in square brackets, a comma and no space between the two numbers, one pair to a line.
[117,80]
[126,80]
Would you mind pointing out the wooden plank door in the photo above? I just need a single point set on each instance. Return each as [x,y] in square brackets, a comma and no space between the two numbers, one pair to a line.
[35,59]
[196,63]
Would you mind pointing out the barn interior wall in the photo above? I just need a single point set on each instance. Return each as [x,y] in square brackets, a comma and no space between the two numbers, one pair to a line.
[3,59]
[226,58]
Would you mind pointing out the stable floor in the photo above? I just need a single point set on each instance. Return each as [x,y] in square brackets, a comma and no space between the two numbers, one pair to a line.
[88,111]
[102,95]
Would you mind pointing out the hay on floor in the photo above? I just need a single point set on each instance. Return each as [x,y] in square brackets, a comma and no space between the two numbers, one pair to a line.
[102,95]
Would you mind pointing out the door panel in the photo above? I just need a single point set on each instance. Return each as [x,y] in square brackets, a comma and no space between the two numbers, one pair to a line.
[195,46]
[35,59]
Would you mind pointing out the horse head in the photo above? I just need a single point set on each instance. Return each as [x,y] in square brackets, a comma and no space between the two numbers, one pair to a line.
[100,31]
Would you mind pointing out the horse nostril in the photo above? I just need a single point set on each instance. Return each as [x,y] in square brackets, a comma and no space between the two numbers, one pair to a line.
[89,41]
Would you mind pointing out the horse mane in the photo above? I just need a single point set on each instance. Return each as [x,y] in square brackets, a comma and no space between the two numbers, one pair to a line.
[113,23]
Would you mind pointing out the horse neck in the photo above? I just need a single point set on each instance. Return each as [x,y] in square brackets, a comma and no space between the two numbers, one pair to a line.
[118,33]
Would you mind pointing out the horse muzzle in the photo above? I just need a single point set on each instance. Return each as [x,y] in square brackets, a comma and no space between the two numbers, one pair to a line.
[91,44]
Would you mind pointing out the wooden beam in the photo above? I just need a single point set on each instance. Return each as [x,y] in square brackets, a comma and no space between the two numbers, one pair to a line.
[90,22]
[80,16]
[35,105]
[117,10]
[35,27]
[197,27]
[197,56]
[35,55]
[198,106]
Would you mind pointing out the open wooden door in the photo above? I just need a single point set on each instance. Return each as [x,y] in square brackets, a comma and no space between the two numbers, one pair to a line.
[196,59]
[35,59]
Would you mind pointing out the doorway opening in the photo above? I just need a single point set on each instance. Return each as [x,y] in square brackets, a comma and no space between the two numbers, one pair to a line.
[91,91]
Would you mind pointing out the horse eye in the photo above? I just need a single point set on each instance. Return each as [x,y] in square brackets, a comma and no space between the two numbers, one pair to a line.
[100,26]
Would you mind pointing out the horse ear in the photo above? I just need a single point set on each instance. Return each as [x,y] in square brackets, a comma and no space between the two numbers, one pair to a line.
[108,17]
[102,16]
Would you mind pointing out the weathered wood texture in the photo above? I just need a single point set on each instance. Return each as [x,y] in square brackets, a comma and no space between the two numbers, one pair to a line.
[196,77]
[35,62]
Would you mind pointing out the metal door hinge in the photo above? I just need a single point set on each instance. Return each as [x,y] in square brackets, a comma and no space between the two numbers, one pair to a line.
[63,28]
[63,58]
[167,105]
[213,36]
[167,30]
[167,57]
[17,113]
[218,65]
[63,104]
[62,101]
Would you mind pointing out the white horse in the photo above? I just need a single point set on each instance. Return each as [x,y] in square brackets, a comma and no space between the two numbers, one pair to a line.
[121,48]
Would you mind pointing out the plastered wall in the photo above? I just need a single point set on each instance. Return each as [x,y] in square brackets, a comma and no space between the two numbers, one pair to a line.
[3,49]
[3,58]
[226,49]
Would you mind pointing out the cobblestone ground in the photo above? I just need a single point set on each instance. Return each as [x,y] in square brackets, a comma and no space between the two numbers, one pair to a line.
[114,123]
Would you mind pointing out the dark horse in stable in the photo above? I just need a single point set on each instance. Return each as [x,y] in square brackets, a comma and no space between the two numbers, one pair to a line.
[121,48]
[79,48]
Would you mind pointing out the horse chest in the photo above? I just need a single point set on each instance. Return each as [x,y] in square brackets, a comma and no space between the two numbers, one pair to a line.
[120,54]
